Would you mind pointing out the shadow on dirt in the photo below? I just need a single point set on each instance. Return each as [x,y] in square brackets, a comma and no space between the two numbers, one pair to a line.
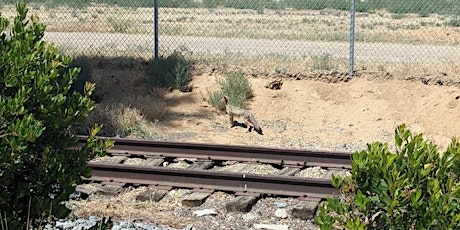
[121,83]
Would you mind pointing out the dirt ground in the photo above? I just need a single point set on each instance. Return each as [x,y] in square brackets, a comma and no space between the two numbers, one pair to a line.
[315,114]
[319,111]
[326,111]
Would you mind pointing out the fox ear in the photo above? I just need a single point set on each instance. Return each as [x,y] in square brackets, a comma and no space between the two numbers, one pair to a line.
[226,98]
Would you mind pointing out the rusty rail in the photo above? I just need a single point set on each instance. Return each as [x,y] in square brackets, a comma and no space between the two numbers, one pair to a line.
[291,157]
[213,180]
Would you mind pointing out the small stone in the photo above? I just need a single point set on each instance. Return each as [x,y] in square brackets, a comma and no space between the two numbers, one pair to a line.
[93,218]
[281,213]
[126,224]
[204,212]
[248,217]
[281,204]
[189,227]
[144,226]
[64,224]
[79,194]
[271,226]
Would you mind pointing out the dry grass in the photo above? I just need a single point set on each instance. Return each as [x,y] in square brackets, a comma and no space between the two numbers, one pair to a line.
[134,117]
[151,106]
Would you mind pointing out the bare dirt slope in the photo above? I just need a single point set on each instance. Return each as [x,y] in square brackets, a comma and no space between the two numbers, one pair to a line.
[318,115]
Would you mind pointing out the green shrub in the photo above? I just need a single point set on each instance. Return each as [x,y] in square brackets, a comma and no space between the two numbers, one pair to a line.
[322,62]
[236,87]
[119,25]
[172,71]
[215,100]
[213,3]
[416,187]
[38,168]
[454,22]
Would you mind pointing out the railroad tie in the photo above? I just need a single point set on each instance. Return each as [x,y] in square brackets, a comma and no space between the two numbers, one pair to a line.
[152,161]
[153,193]
[196,198]
[109,188]
[287,171]
[305,209]
[203,165]
[242,203]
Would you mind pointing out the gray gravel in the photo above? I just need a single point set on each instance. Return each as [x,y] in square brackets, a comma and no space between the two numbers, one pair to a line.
[80,224]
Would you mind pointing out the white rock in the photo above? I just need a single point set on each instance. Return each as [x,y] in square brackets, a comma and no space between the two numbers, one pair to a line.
[248,217]
[204,212]
[281,213]
[281,204]
[271,226]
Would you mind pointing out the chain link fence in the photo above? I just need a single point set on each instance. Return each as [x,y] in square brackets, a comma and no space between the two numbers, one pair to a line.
[263,36]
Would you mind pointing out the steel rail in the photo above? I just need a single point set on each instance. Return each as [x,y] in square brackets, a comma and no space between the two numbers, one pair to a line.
[291,157]
[213,180]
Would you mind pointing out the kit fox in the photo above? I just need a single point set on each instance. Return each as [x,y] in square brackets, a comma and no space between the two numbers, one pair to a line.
[248,117]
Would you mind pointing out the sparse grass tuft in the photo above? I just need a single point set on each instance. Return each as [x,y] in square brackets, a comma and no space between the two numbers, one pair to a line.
[397,16]
[454,22]
[322,62]
[236,86]
[151,106]
[118,25]
[135,117]
[130,122]
[215,100]
[172,71]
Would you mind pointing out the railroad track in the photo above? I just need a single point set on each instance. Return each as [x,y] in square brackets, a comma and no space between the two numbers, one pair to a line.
[282,157]
[200,176]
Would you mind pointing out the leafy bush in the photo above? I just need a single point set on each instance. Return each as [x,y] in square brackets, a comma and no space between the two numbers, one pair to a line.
[454,22]
[38,168]
[322,62]
[414,188]
[236,87]
[119,25]
[172,71]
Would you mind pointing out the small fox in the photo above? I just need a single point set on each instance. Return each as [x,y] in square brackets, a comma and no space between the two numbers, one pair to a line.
[248,117]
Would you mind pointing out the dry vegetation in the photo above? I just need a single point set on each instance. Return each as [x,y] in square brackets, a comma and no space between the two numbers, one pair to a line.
[318,107]
[289,24]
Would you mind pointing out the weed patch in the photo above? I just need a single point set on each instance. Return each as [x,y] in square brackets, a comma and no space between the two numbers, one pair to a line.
[322,62]
[234,85]
[171,71]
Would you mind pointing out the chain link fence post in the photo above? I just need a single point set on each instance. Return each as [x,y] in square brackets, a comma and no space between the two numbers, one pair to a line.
[155,22]
[352,38]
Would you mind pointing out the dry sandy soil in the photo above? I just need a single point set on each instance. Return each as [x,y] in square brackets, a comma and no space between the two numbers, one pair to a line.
[323,110]
[319,115]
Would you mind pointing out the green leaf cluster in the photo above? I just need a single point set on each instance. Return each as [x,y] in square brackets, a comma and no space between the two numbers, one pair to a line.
[172,71]
[38,167]
[236,87]
[416,187]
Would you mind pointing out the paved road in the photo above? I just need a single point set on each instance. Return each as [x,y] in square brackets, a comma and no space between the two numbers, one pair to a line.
[100,43]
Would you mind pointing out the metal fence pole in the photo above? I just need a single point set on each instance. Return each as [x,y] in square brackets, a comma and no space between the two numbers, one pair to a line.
[155,22]
[352,38]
